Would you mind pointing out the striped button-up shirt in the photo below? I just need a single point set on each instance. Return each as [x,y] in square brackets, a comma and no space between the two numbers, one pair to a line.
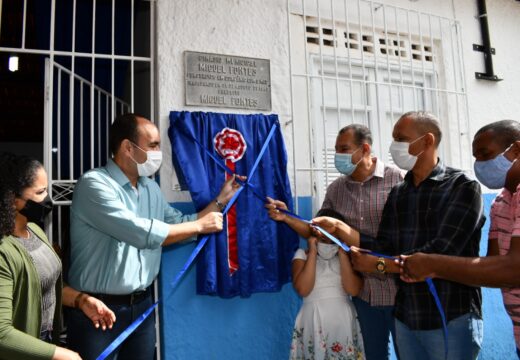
[361,204]
[505,224]
[442,215]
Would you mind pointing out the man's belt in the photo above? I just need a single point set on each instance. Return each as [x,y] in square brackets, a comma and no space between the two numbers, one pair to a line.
[130,299]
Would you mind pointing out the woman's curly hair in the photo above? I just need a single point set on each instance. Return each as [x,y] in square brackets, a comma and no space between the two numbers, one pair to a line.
[16,174]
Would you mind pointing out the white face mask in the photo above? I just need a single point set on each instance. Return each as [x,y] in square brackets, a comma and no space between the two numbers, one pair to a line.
[152,163]
[401,156]
[327,251]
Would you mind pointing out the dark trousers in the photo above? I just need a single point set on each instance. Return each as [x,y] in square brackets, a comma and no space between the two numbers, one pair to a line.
[377,323]
[90,342]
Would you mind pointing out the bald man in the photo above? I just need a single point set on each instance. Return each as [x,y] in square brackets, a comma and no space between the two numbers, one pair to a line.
[436,209]
[496,147]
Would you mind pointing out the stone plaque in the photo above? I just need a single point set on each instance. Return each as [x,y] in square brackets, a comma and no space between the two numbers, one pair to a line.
[227,81]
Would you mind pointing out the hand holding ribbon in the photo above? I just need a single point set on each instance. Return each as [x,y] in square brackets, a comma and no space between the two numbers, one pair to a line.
[415,267]
[230,187]
[312,243]
[273,209]
[363,260]
[328,224]
[210,223]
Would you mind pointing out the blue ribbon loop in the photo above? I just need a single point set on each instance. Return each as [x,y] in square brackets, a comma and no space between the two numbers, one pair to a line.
[433,291]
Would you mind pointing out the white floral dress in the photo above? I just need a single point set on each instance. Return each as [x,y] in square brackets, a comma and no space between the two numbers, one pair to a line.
[326,326]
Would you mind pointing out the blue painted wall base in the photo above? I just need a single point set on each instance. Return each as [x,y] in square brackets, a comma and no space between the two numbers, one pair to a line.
[259,327]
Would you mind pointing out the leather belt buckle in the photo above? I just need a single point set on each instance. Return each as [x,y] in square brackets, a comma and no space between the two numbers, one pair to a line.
[130,299]
[136,297]
[139,296]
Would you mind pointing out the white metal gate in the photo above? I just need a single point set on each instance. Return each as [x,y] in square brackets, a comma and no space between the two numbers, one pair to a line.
[367,62]
[76,140]
[99,62]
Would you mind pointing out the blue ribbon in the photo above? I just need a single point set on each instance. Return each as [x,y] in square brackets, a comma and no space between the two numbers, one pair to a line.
[137,322]
[262,151]
[433,291]
[126,333]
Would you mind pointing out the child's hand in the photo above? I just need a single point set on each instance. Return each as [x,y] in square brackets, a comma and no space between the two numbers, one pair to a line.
[272,207]
[342,252]
[312,243]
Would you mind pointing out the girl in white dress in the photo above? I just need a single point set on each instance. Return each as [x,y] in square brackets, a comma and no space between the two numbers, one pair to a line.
[326,326]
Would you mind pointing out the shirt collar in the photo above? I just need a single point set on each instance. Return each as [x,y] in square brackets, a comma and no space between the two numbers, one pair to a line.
[119,176]
[438,173]
[507,194]
[379,172]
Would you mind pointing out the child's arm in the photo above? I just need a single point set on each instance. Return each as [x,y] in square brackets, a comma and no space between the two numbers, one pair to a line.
[304,271]
[352,282]
[303,229]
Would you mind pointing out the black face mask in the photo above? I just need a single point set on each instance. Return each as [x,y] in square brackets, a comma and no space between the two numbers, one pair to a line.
[36,211]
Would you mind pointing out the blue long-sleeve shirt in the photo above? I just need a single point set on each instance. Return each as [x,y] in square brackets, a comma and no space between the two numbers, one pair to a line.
[117,231]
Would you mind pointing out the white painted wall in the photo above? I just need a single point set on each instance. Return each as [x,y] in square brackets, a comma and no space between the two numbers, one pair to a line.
[490,101]
[246,28]
[259,29]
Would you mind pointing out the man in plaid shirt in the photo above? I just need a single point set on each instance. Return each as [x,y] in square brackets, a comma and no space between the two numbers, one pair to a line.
[496,148]
[437,209]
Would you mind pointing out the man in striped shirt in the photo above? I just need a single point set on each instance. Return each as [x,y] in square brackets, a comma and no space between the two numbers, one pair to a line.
[359,196]
[495,147]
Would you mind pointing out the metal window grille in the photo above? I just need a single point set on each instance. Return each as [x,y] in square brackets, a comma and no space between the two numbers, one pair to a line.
[367,62]
[98,59]
[98,64]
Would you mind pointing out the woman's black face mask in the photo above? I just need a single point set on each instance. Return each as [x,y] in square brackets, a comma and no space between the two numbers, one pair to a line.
[36,211]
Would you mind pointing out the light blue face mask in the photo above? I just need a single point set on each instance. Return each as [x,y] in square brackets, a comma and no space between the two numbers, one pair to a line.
[343,163]
[492,173]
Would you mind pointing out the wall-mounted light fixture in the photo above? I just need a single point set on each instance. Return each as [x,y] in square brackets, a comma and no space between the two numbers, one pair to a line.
[13,63]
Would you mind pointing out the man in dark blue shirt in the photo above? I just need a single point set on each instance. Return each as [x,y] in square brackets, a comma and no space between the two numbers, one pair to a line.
[437,209]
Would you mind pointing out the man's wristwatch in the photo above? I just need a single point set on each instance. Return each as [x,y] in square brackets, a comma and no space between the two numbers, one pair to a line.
[220,206]
[381,265]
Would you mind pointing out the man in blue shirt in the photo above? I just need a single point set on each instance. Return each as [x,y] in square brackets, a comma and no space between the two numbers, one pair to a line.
[119,222]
